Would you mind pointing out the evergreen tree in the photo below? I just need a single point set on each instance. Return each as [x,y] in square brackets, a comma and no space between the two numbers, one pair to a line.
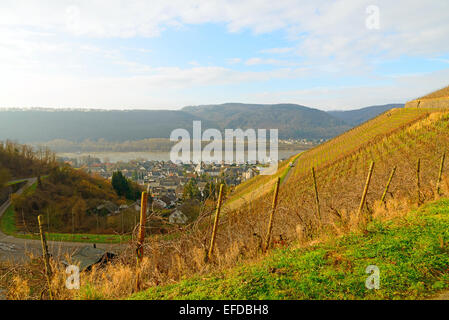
[120,184]
[191,190]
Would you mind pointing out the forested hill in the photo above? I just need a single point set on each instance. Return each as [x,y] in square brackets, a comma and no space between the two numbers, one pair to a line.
[293,121]
[22,161]
[76,125]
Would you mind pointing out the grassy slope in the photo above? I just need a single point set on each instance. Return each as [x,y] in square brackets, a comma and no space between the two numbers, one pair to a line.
[411,253]
[15,182]
[8,226]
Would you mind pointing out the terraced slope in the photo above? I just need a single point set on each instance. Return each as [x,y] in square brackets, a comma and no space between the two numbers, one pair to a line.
[258,186]
[353,140]
[437,99]
[332,151]
[342,168]
[397,138]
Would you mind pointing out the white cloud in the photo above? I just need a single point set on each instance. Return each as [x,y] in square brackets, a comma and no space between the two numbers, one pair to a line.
[405,24]
[277,50]
[274,62]
[176,87]
[157,87]
[329,37]
[402,88]
[233,60]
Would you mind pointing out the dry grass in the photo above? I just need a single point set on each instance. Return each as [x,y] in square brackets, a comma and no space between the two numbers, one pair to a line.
[442,93]
[170,258]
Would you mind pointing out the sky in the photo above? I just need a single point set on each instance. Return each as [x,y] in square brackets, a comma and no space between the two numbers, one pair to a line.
[168,54]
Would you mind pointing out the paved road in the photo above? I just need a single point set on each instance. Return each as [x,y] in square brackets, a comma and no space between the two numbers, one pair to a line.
[289,173]
[16,249]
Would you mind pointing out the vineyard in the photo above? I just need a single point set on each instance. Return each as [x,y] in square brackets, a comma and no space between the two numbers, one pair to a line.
[259,185]
[336,149]
[342,169]
[410,143]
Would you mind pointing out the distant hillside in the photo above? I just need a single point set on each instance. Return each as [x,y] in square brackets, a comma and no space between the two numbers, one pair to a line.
[292,120]
[356,117]
[42,126]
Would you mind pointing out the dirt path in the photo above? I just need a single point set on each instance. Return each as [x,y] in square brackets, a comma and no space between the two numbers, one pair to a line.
[16,249]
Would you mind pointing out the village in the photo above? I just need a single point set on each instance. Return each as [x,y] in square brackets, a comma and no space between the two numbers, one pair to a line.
[166,181]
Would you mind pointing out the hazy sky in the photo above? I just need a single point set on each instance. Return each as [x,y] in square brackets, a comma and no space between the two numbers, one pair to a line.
[168,54]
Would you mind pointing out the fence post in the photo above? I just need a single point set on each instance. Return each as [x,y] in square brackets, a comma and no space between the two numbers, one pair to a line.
[45,254]
[440,174]
[217,215]
[273,209]
[418,180]
[384,195]
[141,235]
[317,199]
[365,190]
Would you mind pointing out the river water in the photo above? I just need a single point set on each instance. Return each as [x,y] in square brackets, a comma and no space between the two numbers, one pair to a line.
[158,156]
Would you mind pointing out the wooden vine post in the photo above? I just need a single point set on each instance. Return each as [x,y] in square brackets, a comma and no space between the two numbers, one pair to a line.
[141,235]
[440,174]
[273,210]
[317,199]
[384,195]
[45,254]
[217,216]
[365,190]
[418,181]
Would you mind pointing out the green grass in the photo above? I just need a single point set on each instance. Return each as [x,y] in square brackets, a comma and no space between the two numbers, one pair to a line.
[78,237]
[8,221]
[15,182]
[411,253]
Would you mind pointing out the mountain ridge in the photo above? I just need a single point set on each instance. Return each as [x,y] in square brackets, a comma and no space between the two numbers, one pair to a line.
[40,125]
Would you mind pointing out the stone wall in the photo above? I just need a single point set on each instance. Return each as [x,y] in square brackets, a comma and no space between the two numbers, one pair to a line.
[428,103]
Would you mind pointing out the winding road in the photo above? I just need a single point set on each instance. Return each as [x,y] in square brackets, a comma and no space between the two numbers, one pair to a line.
[16,249]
